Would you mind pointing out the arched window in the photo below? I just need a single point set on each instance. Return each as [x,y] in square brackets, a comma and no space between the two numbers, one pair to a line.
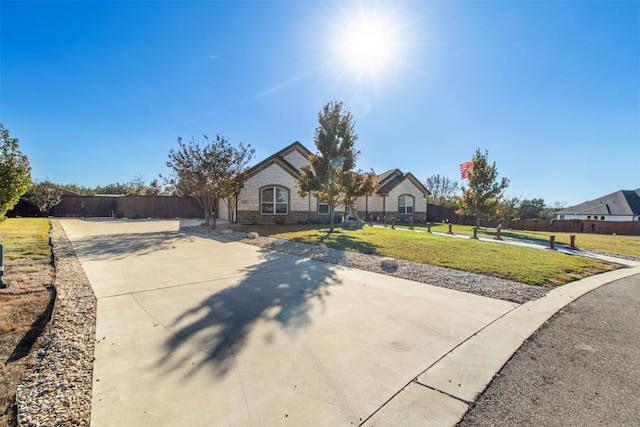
[274,201]
[405,204]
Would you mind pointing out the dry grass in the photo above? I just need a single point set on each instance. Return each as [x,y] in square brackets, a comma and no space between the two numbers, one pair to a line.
[23,305]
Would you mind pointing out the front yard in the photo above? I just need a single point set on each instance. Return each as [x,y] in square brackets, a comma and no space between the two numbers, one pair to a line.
[25,305]
[531,266]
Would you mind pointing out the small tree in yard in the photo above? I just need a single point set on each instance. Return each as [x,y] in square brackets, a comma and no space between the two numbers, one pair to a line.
[442,190]
[508,210]
[484,192]
[209,171]
[15,172]
[44,195]
[330,174]
[532,208]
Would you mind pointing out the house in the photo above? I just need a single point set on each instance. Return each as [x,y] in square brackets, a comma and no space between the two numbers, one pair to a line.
[623,205]
[399,194]
[270,194]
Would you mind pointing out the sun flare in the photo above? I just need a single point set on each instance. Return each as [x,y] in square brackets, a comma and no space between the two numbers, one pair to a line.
[369,44]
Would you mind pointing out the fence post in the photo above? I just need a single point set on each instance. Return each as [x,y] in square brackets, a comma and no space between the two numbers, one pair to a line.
[552,241]
[498,228]
[3,284]
[572,238]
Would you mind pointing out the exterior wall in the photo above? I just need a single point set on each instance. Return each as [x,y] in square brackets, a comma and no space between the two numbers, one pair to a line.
[378,205]
[249,199]
[619,218]
[223,210]
[296,159]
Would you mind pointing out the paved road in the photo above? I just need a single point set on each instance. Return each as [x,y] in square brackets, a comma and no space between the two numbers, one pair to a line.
[582,368]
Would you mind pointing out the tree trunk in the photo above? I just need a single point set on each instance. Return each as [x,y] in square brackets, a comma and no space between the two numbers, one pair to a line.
[331,218]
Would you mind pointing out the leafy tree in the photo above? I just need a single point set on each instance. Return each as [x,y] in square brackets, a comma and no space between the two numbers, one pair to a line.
[508,209]
[208,170]
[484,191]
[330,174]
[81,190]
[115,188]
[154,188]
[443,190]
[44,195]
[555,207]
[356,184]
[531,208]
[15,172]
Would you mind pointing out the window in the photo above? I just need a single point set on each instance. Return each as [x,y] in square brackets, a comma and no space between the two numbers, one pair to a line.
[405,204]
[274,201]
[602,218]
[323,208]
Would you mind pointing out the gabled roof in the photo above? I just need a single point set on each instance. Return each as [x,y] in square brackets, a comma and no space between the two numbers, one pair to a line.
[392,178]
[383,177]
[622,202]
[279,159]
[66,192]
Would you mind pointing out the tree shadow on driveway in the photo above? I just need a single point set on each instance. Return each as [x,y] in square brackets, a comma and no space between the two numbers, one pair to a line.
[118,246]
[280,290]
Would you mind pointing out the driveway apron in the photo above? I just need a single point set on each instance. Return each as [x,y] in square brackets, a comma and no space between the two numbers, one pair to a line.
[196,331]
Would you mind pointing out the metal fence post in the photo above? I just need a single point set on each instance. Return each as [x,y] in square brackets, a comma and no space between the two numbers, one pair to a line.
[3,284]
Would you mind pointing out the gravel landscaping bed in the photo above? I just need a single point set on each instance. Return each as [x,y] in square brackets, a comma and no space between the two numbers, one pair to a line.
[58,391]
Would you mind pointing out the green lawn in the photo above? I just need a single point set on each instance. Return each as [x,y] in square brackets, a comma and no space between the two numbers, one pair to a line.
[532,266]
[24,237]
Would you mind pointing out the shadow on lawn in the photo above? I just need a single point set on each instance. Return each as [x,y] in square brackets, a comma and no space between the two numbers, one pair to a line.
[346,242]
[517,236]
[279,290]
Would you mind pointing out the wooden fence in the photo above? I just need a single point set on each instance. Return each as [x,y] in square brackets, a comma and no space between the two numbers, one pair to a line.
[628,228]
[117,207]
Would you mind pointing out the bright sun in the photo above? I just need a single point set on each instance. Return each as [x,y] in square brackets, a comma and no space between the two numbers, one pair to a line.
[369,45]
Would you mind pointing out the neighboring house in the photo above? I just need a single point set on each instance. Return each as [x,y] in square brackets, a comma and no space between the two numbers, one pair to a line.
[623,205]
[270,194]
[399,194]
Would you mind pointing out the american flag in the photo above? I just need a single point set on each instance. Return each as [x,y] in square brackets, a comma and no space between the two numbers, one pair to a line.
[464,169]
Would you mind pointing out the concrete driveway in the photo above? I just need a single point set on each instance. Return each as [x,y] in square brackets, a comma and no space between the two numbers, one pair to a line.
[194,331]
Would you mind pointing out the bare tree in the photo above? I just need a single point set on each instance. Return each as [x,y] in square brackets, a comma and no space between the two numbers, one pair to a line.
[442,190]
[44,195]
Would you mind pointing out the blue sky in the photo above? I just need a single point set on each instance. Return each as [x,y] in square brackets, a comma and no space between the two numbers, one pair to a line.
[98,92]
